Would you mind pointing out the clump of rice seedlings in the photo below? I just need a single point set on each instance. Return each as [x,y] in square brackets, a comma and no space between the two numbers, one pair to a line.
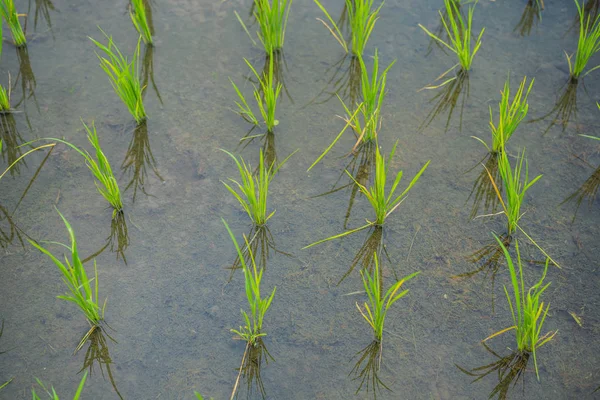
[365,120]
[9,13]
[138,157]
[510,114]
[380,303]
[52,393]
[124,75]
[253,191]
[252,330]
[527,309]
[362,16]
[383,203]
[137,12]
[587,46]
[81,292]
[266,95]
[5,98]
[272,17]
[532,14]
[440,31]
[459,34]
[515,186]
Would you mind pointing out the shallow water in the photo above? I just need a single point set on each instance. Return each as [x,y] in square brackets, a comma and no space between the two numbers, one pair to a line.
[171,305]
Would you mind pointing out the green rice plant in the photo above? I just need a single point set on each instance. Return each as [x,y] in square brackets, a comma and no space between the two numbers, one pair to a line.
[22,155]
[9,13]
[5,98]
[383,203]
[587,45]
[380,303]
[365,120]
[124,75]
[515,186]
[510,115]
[527,308]
[137,12]
[252,330]
[362,17]
[266,95]
[254,190]
[81,292]
[100,167]
[459,35]
[272,17]
[52,393]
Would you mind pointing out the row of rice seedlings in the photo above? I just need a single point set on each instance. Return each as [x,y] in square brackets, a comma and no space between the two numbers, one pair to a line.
[81,292]
[10,15]
[137,12]
[266,94]
[365,120]
[124,75]
[272,17]
[361,17]
[52,393]
[527,309]
[459,38]
[587,45]
[383,203]
[253,190]
[100,167]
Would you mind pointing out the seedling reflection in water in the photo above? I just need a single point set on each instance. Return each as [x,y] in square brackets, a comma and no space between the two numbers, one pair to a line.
[532,15]
[124,75]
[361,17]
[81,291]
[98,352]
[383,203]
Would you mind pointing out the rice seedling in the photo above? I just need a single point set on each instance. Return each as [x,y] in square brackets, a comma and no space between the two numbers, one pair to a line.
[98,353]
[587,45]
[272,17]
[81,292]
[383,203]
[365,120]
[199,396]
[124,75]
[527,309]
[10,15]
[252,330]
[266,95]
[515,186]
[510,115]
[254,190]
[137,12]
[361,17]
[14,163]
[137,158]
[5,98]
[459,34]
[440,31]
[380,303]
[52,393]
[532,15]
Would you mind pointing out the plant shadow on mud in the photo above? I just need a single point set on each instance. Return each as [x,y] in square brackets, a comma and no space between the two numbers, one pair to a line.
[509,370]
[98,353]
